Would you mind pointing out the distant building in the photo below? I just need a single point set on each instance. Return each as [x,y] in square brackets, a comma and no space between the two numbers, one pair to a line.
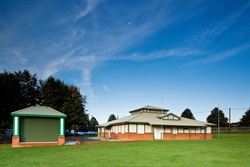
[153,123]
[38,126]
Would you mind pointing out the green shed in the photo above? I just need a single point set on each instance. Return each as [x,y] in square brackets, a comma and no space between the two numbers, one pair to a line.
[38,126]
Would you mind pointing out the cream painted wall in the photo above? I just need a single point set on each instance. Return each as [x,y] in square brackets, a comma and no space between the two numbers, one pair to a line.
[208,129]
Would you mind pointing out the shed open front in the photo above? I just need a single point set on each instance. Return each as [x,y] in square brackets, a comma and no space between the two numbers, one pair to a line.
[39,129]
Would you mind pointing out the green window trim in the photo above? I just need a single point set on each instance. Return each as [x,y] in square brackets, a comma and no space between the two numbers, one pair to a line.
[62,126]
[16,121]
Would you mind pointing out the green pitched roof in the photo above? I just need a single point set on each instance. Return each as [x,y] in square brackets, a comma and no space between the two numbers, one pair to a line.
[38,111]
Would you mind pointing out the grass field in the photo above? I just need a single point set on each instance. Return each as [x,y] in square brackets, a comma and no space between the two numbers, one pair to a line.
[229,150]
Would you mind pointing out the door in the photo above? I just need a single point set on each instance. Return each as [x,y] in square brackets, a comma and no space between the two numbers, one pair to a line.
[158,133]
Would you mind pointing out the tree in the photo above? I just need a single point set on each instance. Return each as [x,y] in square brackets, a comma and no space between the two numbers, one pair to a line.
[29,88]
[10,98]
[245,120]
[18,90]
[187,113]
[213,117]
[54,93]
[112,117]
[74,108]
[92,124]
[68,100]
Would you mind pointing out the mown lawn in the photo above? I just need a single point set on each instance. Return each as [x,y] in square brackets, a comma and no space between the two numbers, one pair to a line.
[229,150]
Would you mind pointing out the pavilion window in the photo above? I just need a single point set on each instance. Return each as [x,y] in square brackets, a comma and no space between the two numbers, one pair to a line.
[148,129]
[167,130]
[186,130]
[198,130]
[208,129]
[192,130]
[126,128]
[132,128]
[180,130]
[140,129]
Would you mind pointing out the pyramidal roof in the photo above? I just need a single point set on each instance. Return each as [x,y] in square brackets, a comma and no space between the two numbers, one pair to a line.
[155,116]
[149,108]
[156,119]
[38,111]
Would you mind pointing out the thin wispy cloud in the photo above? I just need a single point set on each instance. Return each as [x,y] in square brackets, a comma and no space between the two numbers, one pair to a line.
[88,7]
[221,55]
[53,67]
[214,30]
[122,37]
[105,87]
[134,93]
[175,52]
[20,58]
[112,43]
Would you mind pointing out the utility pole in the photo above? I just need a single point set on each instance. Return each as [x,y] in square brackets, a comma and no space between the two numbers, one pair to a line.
[229,125]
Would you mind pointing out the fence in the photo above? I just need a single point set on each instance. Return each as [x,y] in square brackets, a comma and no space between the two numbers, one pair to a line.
[231,130]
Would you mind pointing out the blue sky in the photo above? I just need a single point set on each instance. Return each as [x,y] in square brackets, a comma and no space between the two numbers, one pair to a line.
[127,54]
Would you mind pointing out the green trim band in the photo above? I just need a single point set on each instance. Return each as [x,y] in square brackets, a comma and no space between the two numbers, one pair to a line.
[16,126]
[62,126]
[39,115]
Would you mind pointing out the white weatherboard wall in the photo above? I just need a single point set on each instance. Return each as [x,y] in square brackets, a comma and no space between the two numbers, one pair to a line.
[126,128]
[123,129]
[174,130]
[113,129]
[119,129]
[116,129]
[208,129]
[140,129]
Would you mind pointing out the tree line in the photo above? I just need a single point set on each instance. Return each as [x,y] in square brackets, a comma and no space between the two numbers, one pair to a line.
[22,89]
[217,113]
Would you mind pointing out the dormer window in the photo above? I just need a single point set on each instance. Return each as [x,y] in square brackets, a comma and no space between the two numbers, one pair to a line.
[170,116]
